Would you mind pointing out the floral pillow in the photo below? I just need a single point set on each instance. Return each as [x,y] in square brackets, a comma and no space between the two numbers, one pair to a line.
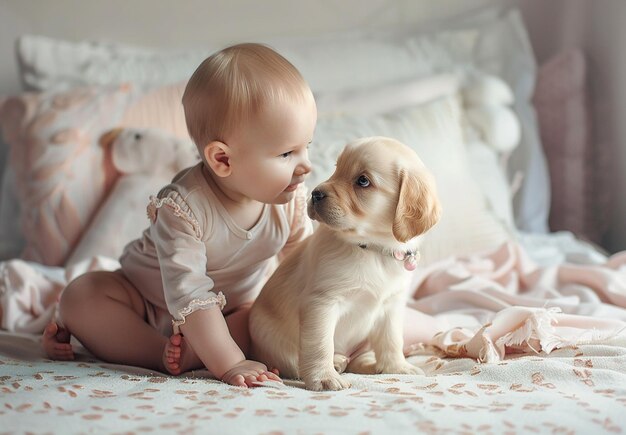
[60,170]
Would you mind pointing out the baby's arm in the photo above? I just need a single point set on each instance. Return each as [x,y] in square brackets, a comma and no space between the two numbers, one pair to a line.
[178,236]
[207,333]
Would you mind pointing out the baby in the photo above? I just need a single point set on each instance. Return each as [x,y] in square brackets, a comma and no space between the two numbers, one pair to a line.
[215,234]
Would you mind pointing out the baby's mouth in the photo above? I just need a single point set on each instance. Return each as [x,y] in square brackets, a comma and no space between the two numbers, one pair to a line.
[291,187]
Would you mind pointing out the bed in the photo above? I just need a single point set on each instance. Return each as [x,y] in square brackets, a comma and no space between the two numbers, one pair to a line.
[459,94]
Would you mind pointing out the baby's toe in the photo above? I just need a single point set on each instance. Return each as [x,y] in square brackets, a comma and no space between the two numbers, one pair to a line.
[50,330]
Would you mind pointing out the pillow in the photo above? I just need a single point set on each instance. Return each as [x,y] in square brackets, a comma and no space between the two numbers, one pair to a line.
[388,97]
[159,107]
[434,131]
[11,240]
[51,64]
[59,170]
[489,125]
[578,166]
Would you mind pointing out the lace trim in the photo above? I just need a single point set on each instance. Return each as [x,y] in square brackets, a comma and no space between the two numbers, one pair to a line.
[198,304]
[157,203]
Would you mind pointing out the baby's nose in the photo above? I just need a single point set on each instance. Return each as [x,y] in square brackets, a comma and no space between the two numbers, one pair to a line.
[305,166]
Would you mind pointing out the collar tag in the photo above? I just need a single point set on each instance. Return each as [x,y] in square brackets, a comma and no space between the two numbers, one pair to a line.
[409,258]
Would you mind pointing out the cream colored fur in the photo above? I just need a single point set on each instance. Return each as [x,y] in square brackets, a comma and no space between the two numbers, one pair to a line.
[333,306]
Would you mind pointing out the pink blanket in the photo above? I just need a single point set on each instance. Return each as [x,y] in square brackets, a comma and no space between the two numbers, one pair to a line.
[485,305]
[480,306]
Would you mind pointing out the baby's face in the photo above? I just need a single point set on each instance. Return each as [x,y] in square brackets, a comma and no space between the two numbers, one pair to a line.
[269,154]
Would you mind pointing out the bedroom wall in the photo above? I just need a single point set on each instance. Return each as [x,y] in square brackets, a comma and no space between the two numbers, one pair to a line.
[190,23]
[193,23]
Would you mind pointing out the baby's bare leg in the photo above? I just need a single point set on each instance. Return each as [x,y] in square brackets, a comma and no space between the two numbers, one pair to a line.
[107,315]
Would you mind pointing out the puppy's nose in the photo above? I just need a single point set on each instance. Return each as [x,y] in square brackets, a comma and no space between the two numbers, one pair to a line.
[317,196]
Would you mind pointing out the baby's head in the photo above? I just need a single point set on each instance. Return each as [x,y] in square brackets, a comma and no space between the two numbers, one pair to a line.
[251,114]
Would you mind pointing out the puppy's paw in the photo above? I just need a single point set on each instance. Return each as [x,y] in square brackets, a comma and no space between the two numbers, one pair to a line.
[363,364]
[399,368]
[340,362]
[326,381]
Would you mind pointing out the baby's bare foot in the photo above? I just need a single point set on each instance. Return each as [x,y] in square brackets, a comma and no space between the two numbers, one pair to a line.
[56,343]
[178,357]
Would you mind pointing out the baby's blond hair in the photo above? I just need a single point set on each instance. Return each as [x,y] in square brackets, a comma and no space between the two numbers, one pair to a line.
[232,85]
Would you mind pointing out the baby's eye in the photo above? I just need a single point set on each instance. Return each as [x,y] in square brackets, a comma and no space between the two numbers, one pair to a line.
[285,155]
[363,181]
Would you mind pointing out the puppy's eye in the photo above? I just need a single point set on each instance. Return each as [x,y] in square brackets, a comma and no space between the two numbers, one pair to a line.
[363,181]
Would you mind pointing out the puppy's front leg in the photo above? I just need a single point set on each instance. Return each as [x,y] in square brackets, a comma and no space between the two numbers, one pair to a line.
[317,329]
[387,342]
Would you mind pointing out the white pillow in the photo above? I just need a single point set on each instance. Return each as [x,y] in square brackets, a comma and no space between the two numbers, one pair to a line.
[484,161]
[485,167]
[388,97]
[434,131]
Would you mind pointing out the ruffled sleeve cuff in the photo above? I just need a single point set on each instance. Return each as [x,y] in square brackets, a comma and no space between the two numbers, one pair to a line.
[195,305]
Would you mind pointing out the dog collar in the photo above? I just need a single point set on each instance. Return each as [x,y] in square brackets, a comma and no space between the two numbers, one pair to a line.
[410,257]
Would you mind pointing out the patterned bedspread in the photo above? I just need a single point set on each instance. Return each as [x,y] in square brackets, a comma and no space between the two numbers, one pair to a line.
[579,389]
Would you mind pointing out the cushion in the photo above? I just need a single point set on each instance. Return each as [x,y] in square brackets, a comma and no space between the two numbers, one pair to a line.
[160,107]
[60,173]
[578,166]
[435,132]
[59,170]
[486,136]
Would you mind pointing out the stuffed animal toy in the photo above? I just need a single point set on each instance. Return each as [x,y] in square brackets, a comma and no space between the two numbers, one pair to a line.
[138,163]
[488,100]
[148,151]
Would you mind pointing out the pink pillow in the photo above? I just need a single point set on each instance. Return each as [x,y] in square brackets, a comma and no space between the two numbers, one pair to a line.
[576,164]
[159,108]
[63,174]
[60,170]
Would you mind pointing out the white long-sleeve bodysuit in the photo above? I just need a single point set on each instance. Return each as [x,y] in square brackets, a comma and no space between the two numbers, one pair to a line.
[194,255]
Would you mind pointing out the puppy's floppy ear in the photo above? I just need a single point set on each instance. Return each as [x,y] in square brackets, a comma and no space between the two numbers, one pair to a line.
[418,207]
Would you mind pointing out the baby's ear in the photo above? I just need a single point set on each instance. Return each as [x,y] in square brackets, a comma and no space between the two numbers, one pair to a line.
[217,156]
[418,206]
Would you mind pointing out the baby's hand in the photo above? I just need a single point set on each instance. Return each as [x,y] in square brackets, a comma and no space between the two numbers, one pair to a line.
[247,372]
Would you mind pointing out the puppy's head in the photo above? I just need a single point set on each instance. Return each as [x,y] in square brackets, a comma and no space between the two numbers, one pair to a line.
[380,192]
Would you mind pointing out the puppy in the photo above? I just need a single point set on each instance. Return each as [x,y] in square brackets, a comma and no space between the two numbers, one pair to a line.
[336,303]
